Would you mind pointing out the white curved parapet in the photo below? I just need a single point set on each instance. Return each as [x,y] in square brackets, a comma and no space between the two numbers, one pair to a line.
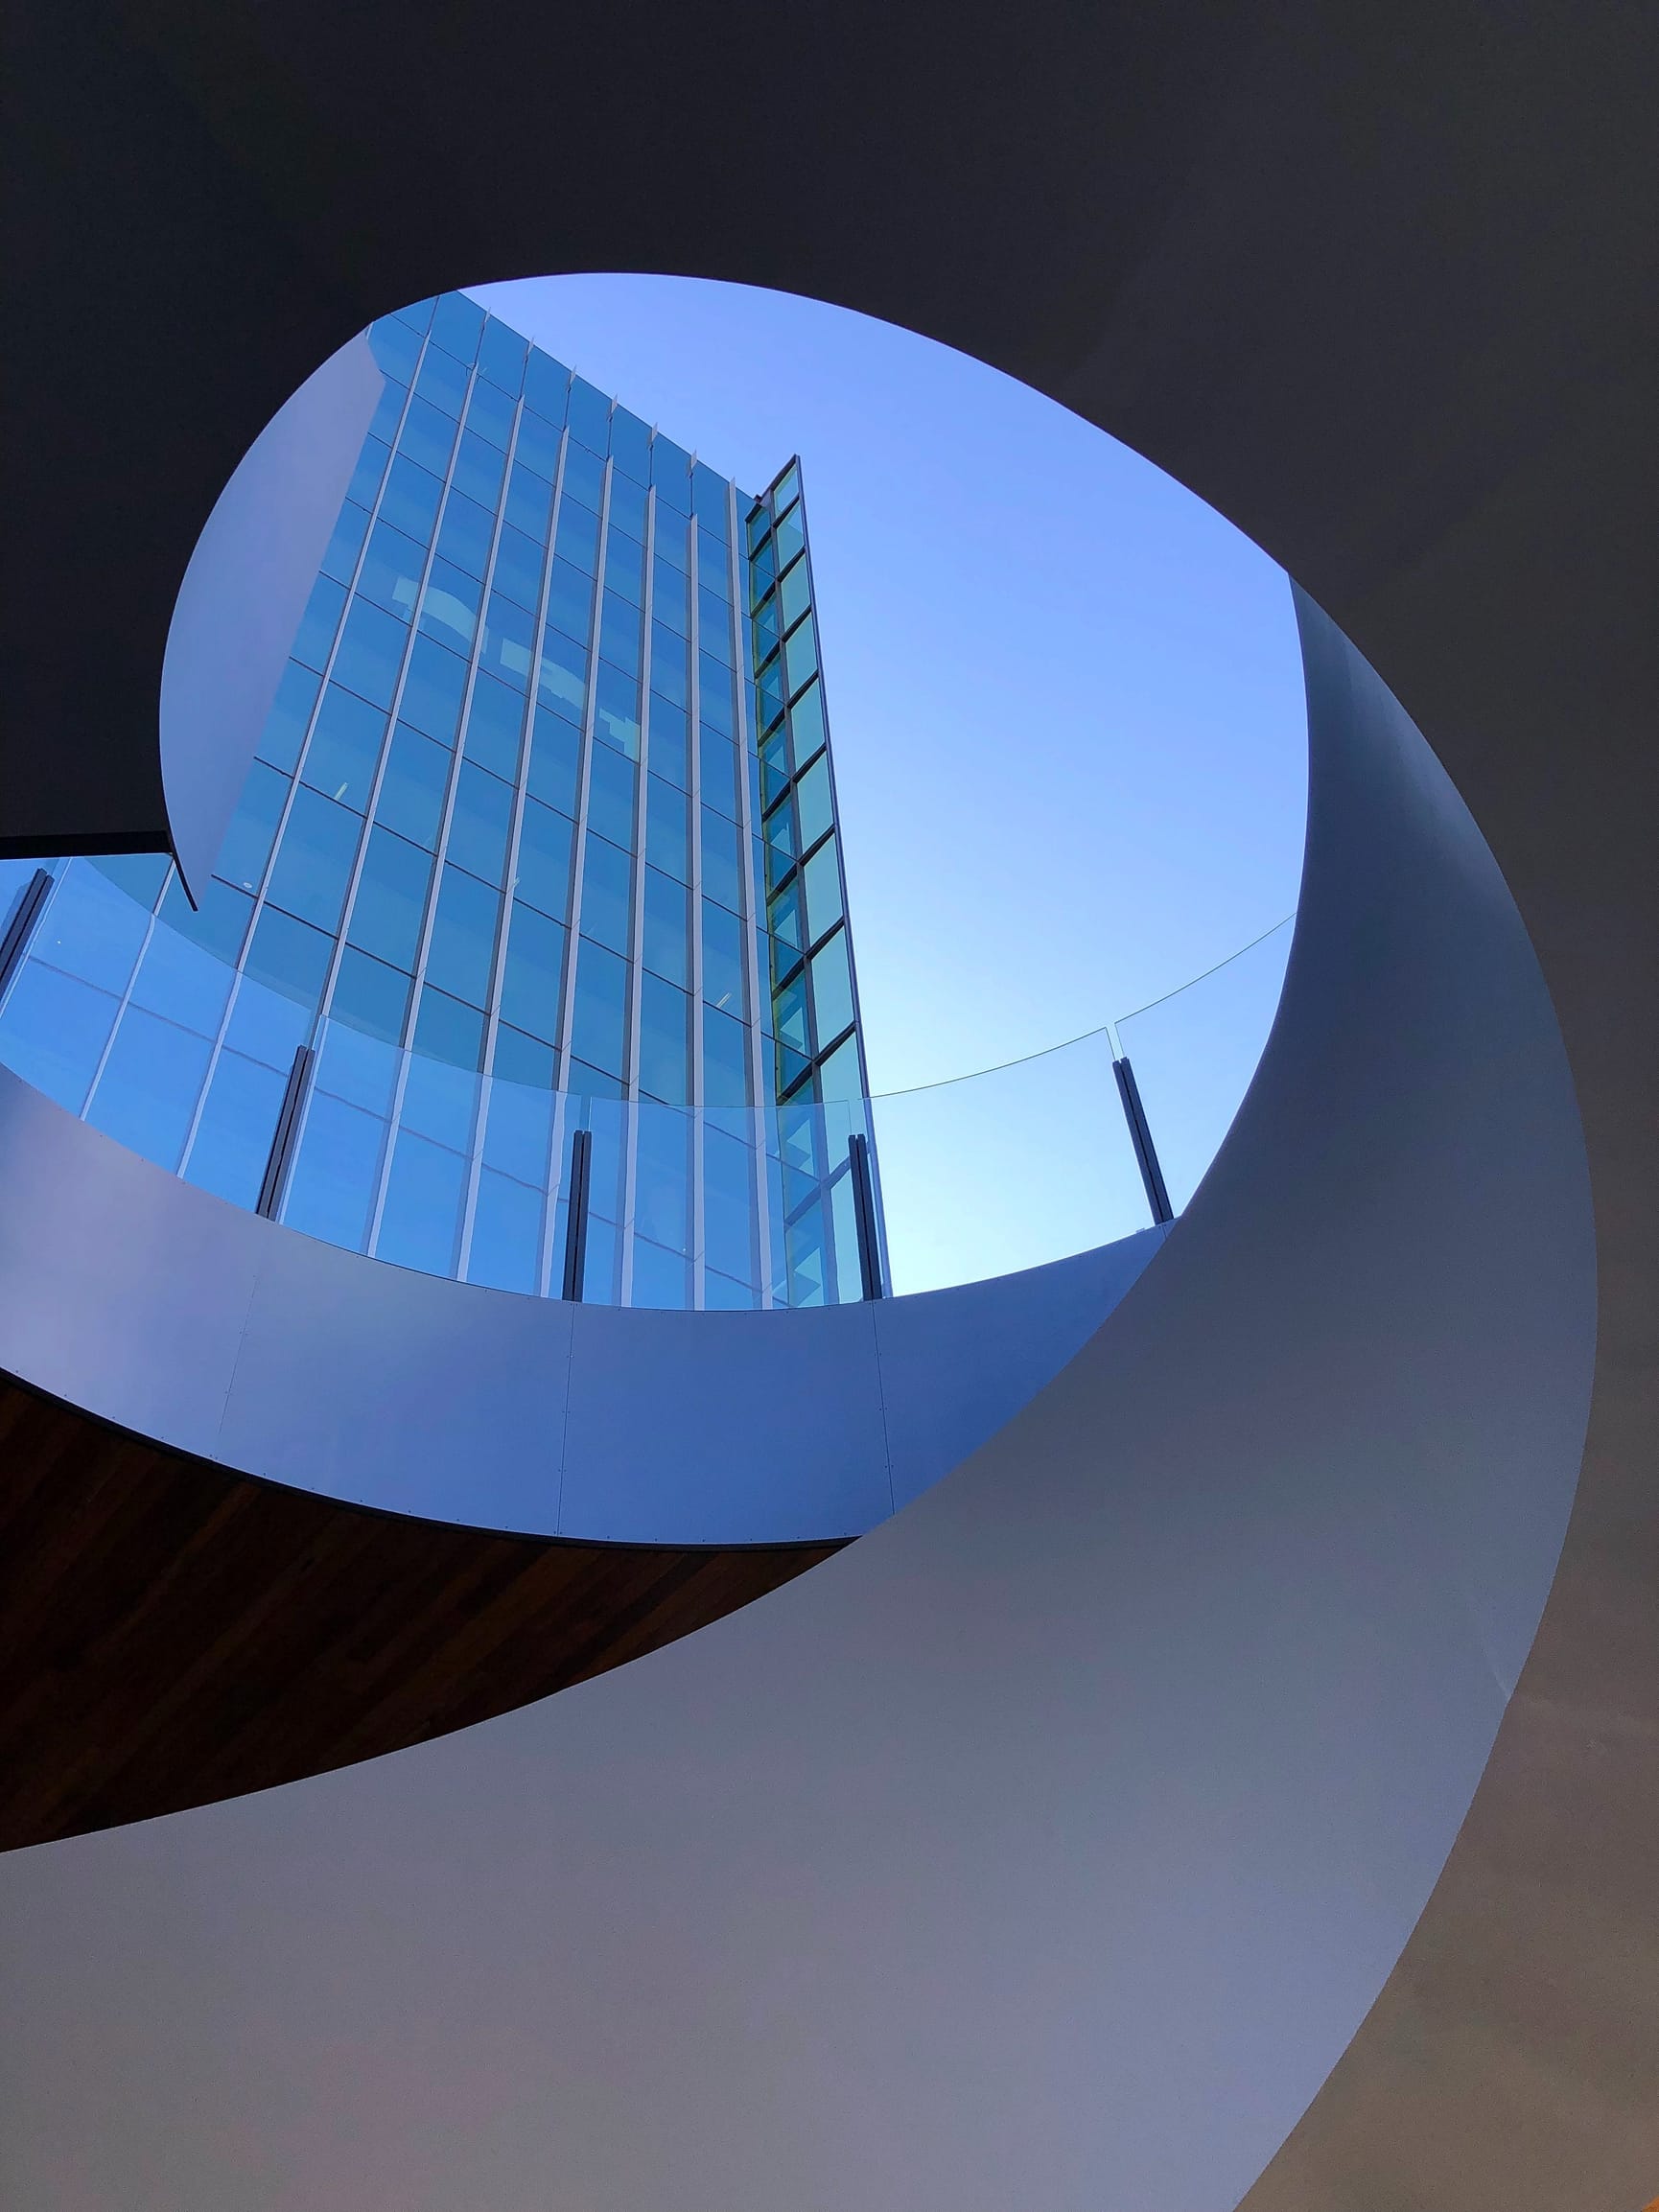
[1045,1847]
[165,1310]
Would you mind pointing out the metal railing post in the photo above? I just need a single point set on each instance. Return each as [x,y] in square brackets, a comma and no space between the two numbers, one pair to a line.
[14,944]
[577,1213]
[1140,1136]
[864,1216]
[280,1160]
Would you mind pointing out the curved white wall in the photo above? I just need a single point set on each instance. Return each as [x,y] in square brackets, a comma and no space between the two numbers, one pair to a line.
[1045,1847]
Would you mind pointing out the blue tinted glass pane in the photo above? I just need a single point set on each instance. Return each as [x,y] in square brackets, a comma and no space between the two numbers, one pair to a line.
[313,863]
[629,509]
[335,1172]
[721,865]
[617,710]
[318,623]
[518,569]
[601,1009]
[714,567]
[344,548]
[370,995]
[413,789]
[449,606]
[510,641]
[233,1137]
[530,501]
[546,384]
[717,694]
[666,946]
[478,468]
[672,596]
[724,960]
[543,859]
[506,1251]
[501,356]
[571,601]
[671,666]
[463,939]
[806,727]
[219,924]
[495,718]
[395,345]
[667,837]
[709,500]
[264,1025]
[54,1032]
[248,842]
[822,879]
[432,691]
[589,413]
[91,929]
[428,436]
[533,977]
[670,540]
[620,633]
[441,1096]
[725,1060]
[577,537]
[490,413]
[458,325]
[610,789]
[793,599]
[671,474]
[418,315]
[727,1204]
[389,905]
[371,649]
[607,899]
[137,876]
[584,477]
[146,1096]
[480,821]
[718,760]
[446,1032]
[631,446]
[625,565]
[183,983]
[670,757]
[411,499]
[442,383]
[714,627]
[465,536]
[421,1216]
[663,1177]
[284,728]
[520,1061]
[391,571]
[538,446]
[831,989]
[343,756]
[555,760]
[366,476]
[812,806]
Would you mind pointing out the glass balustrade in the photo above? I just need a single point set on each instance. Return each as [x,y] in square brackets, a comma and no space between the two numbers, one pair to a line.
[126,1018]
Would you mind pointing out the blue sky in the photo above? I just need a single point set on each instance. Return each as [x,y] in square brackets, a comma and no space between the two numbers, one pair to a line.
[1065,696]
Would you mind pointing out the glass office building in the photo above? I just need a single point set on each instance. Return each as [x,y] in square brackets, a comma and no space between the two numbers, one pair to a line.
[540,840]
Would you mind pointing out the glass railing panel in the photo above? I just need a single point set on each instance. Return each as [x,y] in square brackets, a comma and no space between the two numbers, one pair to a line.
[138,1028]
[1008,1169]
[1195,1051]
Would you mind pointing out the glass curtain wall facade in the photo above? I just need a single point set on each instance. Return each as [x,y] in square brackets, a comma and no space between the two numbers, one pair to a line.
[541,836]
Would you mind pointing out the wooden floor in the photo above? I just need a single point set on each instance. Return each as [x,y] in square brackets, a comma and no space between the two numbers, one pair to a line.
[172,1633]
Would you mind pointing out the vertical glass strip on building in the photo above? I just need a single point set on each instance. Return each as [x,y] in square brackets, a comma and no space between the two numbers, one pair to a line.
[541,835]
